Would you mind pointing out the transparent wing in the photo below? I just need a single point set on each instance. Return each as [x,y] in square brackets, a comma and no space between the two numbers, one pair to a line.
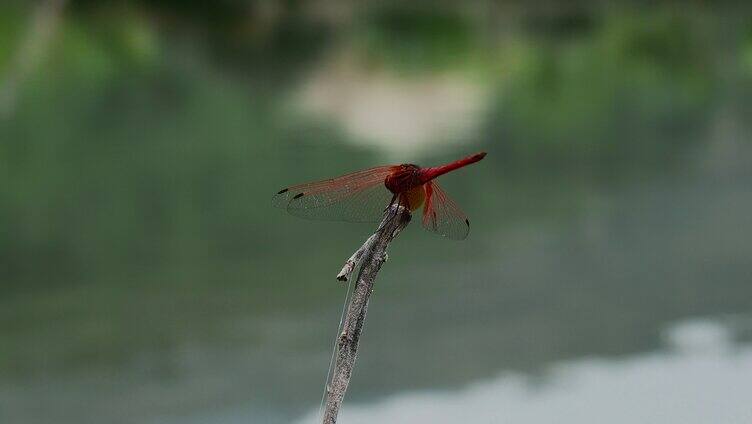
[442,216]
[357,197]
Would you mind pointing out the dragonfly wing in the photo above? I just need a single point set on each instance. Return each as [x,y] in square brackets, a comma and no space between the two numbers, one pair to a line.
[442,216]
[357,197]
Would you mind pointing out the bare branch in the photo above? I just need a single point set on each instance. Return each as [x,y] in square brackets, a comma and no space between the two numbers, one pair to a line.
[370,256]
[351,263]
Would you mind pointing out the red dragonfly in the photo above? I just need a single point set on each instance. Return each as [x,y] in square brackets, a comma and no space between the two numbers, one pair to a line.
[363,196]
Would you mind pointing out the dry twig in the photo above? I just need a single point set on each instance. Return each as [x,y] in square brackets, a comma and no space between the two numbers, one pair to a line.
[370,256]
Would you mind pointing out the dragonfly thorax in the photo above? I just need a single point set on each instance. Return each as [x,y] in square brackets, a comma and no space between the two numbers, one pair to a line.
[403,178]
[413,198]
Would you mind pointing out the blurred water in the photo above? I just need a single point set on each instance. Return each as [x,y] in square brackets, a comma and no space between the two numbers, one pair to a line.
[144,277]
[602,283]
[706,381]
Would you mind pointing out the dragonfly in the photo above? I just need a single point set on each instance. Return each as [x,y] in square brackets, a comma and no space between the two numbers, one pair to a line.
[364,196]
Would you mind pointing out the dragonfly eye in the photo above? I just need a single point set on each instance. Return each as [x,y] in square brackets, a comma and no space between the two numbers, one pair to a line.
[284,190]
[298,196]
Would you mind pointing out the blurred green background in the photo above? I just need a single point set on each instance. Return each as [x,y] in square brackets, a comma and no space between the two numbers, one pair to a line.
[145,277]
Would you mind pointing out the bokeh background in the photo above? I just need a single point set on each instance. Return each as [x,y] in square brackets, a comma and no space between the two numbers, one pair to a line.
[145,277]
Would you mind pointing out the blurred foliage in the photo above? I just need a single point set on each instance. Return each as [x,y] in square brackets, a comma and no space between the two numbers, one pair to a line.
[141,154]
[417,40]
[620,96]
[10,27]
[746,52]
